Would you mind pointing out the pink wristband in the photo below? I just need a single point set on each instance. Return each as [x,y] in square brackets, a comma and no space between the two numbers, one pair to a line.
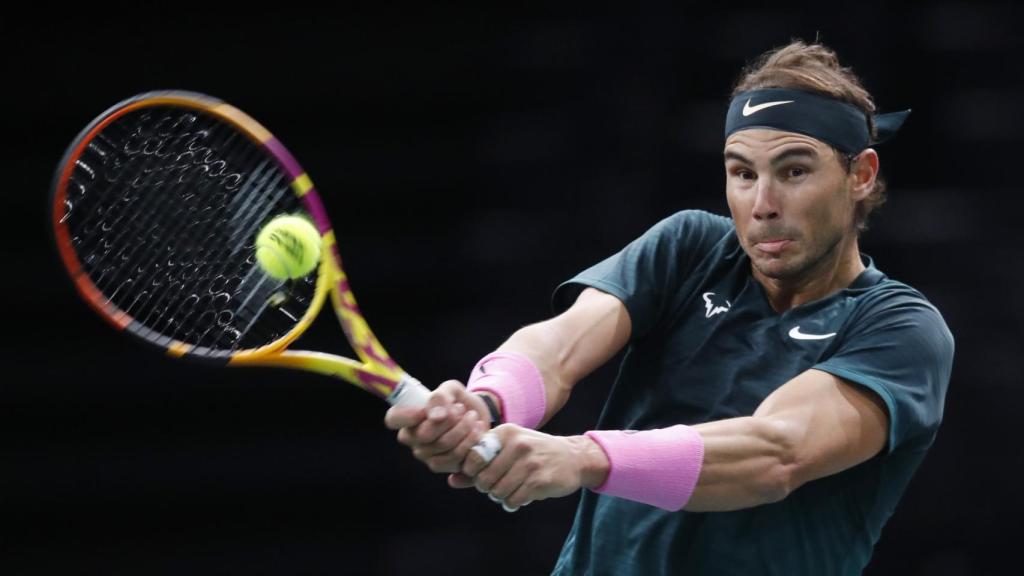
[657,467]
[516,381]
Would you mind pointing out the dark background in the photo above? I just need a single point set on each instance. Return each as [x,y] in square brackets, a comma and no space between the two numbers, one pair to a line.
[471,161]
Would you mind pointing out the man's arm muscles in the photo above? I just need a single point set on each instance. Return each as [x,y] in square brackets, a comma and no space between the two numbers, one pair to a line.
[564,349]
[573,344]
[815,425]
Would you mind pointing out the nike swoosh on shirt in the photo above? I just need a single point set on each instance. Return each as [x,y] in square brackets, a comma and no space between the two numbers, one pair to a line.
[748,109]
[796,334]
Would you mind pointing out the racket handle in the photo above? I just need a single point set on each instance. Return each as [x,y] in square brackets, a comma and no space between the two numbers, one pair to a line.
[409,392]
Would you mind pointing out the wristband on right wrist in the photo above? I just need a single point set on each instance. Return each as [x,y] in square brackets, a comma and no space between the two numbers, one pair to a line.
[657,467]
[516,382]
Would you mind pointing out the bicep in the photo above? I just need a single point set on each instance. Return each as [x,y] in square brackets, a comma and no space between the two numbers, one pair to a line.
[832,424]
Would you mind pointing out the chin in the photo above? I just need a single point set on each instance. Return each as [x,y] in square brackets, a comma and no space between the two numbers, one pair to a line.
[772,270]
[778,268]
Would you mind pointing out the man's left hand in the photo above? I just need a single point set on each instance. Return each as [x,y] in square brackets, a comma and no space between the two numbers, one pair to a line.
[534,466]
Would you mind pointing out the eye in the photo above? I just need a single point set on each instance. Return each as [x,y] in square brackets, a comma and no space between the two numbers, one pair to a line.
[744,174]
[796,172]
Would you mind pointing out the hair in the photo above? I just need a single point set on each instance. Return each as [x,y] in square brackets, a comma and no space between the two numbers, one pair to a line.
[815,68]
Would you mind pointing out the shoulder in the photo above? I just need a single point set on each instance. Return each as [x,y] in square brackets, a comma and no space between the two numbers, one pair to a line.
[888,296]
[891,306]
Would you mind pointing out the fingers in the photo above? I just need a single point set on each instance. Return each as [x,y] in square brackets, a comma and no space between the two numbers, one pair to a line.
[398,417]
[447,454]
[437,408]
[520,473]
[460,481]
[487,448]
[483,454]
[426,424]
[520,497]
[505,485]
[448,441]
[487,462]
[471,400]
[442,413]
[429,431]
[512,488]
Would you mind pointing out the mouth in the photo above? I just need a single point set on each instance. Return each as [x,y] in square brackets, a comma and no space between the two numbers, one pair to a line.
[772,246]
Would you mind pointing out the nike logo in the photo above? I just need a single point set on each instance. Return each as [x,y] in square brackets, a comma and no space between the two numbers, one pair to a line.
[748,109]
[796,334]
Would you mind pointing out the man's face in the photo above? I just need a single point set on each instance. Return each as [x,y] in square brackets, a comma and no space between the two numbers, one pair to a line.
[790,198]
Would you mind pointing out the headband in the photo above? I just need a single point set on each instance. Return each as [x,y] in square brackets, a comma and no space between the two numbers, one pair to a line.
[834,122]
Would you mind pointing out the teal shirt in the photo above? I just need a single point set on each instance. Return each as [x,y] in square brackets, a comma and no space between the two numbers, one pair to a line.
[706,345]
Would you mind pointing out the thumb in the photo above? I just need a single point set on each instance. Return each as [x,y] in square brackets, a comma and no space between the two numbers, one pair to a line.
[404,416]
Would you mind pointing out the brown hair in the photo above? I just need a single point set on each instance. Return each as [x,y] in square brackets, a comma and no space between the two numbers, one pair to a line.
[815,68]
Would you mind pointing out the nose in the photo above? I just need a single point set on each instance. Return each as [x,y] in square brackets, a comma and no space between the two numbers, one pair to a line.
[766,205]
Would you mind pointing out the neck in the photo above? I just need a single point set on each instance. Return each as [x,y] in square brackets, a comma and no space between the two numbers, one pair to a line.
[836,270]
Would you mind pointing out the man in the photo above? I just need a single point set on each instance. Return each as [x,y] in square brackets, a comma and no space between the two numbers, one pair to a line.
[778,390]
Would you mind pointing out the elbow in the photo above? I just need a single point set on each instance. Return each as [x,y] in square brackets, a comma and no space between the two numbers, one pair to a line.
[780,477]
[778,484]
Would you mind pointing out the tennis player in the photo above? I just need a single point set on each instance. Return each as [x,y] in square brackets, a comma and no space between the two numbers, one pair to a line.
[778,390]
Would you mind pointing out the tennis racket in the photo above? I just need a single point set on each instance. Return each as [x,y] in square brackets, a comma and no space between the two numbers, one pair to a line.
[155,210]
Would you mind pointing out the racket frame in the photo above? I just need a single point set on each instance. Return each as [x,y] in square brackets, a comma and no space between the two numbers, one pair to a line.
[376,372]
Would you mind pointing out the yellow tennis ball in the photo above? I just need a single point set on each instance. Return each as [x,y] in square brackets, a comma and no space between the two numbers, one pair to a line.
[288,247]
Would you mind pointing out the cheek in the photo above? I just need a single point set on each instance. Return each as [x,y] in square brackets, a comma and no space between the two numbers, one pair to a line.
[827,218]
[827,203]
[736,211]
[737,206]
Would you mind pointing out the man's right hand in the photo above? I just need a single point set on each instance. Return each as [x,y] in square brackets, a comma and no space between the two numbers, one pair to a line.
[441,433]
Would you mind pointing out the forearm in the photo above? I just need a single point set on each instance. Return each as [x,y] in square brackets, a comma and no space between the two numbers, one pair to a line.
[719,466]
[813,426]
[541,343]
[748,461]
[573,344]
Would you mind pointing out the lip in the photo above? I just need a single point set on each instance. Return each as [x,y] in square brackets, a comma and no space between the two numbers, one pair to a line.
[772,246]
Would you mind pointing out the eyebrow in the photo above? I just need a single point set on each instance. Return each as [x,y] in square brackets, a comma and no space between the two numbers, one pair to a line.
[809,153]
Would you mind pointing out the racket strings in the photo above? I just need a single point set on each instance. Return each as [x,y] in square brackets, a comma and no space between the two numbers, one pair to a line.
[144,221]
[143,230]
[177,201]
[220,288]
[253,283]
[220,316]
[217,315]
[151,164]
[208,275]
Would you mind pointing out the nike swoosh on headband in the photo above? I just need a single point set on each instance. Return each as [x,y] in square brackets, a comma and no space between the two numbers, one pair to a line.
[748,109]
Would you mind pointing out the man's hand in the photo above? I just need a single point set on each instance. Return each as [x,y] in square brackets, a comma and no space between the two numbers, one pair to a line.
[534,466]
[442,433]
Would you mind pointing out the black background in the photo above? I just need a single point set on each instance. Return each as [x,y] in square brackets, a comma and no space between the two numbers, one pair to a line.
[470,159]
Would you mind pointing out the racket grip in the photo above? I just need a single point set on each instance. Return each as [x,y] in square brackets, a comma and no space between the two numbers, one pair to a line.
[409,392]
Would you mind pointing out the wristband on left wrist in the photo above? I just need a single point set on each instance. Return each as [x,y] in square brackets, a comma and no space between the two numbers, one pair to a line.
[492,408]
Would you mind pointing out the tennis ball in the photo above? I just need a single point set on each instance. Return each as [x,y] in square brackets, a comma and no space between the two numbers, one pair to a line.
[288,247]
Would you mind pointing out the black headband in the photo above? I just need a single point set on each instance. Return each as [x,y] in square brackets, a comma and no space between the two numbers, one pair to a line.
[842,125]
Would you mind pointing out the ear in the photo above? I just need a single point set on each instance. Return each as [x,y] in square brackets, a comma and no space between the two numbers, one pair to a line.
[863,172]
